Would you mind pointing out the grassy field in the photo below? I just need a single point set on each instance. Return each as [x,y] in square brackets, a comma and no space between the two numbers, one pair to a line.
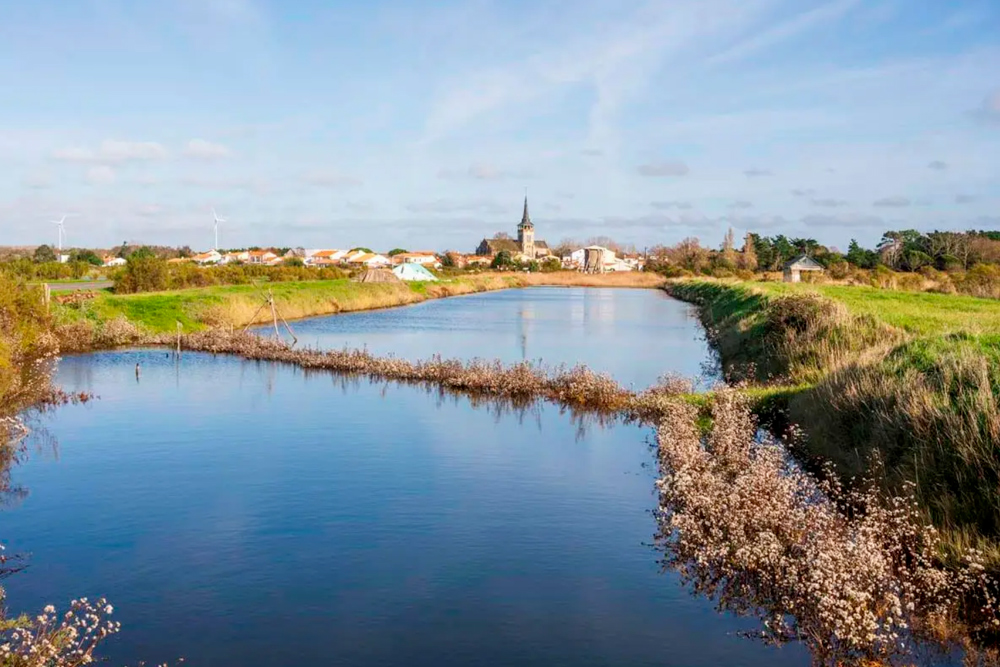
[920,313]
[901,387]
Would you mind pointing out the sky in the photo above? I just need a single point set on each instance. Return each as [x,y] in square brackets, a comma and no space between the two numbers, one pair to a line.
[418,124]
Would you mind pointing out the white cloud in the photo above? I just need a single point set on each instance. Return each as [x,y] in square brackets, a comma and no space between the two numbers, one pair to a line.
[449,206]
[680,205]
[741,204]
[112,151]
[200,149]
[657,169]
[829,203]
[937,165]
[330,179]
[784,31]
[756,173]
[482,171]
[100,175]
[892,202]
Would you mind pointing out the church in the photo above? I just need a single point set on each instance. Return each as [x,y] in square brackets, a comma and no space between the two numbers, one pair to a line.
[525,247]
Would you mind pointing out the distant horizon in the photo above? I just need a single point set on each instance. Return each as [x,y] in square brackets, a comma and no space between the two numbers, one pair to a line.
[421,124]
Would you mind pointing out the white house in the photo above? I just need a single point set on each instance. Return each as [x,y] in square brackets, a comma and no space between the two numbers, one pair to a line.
[609,261]
[262,257]
[111,260]
[425,258]
[368,259]
[210,257]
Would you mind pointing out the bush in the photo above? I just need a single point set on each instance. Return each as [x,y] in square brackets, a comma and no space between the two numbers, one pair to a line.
[143,273]
[839,269]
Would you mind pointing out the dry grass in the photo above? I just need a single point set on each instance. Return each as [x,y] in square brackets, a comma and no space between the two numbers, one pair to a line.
[752,531]
[908,405]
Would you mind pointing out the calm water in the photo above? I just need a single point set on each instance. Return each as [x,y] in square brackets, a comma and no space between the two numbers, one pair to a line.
[240,513]
[636,335]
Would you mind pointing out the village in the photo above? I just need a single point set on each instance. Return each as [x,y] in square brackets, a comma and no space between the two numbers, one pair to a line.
[524,252]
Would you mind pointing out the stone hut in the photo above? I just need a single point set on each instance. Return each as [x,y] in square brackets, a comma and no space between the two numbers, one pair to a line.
[793,269]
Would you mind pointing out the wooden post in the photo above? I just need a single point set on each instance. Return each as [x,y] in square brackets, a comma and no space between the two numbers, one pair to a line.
[46,296]
[179,327]
[274,313]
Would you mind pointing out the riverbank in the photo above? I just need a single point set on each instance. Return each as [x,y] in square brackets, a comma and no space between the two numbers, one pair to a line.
[108,320]
[901,387]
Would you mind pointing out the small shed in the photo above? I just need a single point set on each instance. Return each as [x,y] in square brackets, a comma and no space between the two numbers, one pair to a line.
[413,272]
[794,268]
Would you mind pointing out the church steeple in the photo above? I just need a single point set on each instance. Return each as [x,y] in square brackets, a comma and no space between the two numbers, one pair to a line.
[525,218]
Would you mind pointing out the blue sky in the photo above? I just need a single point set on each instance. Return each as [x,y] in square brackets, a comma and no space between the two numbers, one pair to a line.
[420,124]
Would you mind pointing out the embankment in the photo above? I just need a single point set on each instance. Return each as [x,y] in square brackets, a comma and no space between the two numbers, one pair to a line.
[904,393]
[110,320]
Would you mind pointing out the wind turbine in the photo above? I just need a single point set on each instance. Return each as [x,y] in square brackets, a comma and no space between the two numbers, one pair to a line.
[217,221]
[61,231]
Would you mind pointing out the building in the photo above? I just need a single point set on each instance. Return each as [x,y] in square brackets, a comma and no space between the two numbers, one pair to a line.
[525,247]
[111,260]
[793,269]
[261,257]
[597,259]
[413,272]
[210,257]
[424,257]
[368,259]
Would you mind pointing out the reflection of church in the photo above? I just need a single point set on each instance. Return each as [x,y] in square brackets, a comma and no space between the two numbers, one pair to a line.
[524,247]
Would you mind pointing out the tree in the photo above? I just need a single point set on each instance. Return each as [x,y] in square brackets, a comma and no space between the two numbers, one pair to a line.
[143,273]
[502,260]
[86,256]
[293,261]
[861,257]
[397,251]
[45,253]
[748,257]
[501,236]
[447,260]
[362,249]
[727,258]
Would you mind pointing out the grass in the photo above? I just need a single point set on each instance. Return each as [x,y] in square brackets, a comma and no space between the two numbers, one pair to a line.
[235,305]
[920,313]
[900,387]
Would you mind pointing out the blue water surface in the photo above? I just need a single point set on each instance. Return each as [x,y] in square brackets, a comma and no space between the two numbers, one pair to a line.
[246,513]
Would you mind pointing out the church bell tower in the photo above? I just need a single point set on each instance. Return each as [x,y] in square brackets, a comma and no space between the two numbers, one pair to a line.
[526,233]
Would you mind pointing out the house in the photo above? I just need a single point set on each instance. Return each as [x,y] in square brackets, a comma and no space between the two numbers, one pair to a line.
[793,269]
[368,259]
[477,260]
[598,259]
[111,260]
[412,271]
[261,257]
[525,247]
[237,256]
[210,257]
[425,257]
[325,257]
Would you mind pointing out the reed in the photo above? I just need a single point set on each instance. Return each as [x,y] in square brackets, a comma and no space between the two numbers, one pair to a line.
[748,528]
[903,388]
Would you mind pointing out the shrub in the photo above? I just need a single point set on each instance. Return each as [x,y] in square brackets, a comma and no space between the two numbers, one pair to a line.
[143,273]
[839,269]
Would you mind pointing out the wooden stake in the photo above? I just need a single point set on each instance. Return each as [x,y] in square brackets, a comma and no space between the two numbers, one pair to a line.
[179,327]
[274,313]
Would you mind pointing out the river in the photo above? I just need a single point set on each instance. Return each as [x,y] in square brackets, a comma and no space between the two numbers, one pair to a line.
[245,513]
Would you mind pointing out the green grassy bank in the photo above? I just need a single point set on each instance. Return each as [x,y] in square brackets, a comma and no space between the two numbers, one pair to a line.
[109,319]
[899,386]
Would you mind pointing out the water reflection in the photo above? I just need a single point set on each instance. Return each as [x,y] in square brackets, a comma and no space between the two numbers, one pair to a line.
[220,502]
